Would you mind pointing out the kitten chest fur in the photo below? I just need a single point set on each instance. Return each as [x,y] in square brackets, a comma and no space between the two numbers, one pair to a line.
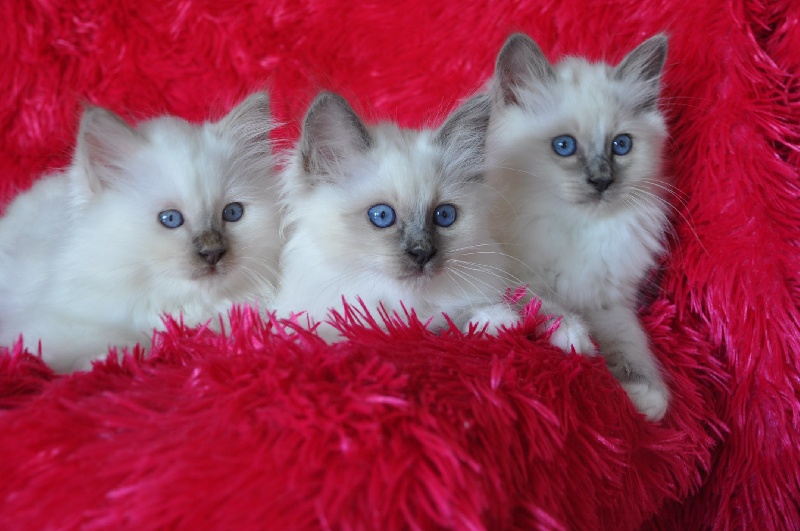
[586,261]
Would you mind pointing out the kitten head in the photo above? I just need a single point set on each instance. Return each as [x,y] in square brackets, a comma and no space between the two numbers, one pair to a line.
[588,133]
[189,208]
[390,205]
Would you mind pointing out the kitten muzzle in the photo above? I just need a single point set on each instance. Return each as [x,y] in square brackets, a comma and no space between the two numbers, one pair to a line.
[211,246]
[421,255]
[600,173]
[419,245]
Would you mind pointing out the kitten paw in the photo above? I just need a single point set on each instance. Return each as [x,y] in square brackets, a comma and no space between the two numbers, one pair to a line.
[328,332]
[493,318]
[649,400]
[77,364]
[571,333]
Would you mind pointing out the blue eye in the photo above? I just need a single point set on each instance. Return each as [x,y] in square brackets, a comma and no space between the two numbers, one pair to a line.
[232,212]
[565,145]
[171,219]
[445,215]
[382,216]
[622,144]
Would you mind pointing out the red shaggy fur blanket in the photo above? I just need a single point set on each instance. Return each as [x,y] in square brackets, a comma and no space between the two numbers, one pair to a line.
[269,427]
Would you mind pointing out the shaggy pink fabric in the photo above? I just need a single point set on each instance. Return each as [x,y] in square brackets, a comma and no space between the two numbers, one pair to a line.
[269,427]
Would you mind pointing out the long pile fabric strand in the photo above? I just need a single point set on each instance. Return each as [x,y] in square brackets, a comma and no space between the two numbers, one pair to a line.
[267,426]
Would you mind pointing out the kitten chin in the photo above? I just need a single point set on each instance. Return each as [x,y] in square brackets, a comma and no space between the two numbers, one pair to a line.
[576,148]
[168,217]
[393,217]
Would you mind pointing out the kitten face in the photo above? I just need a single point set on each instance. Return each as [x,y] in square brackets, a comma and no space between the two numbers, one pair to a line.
[405,216]
[190,208]
[389,211]
[589,134]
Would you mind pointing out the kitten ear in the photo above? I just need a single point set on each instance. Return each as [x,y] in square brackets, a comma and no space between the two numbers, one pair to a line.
[645,64]
[105,143]
[248,124]
[463,137]
[332,133]
[520,64]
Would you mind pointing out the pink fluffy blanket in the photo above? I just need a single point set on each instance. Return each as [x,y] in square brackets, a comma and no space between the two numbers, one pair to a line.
[270,427]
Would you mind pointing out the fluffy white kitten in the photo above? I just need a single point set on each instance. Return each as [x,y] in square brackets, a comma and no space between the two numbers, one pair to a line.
[392,215]
[167,217]
[576,148]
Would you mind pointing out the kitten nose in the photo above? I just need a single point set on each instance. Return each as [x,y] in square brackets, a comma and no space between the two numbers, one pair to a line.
[211,246]
[600,173]
[421,255]
[212,256]
[601,182]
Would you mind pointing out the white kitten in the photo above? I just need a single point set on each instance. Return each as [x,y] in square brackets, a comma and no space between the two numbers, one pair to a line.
[392,215]
[576,148]
[167,217]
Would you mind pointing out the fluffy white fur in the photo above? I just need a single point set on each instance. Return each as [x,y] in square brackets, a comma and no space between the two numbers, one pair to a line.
[340,169]
[585,250]
[85,262]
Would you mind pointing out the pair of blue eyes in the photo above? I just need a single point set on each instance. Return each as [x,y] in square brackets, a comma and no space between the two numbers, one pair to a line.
[566,145]
[172,219]
[383,216]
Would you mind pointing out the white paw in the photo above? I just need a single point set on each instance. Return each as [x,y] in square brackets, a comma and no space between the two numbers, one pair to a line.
[649,400]
[571,333]
[493,318]
[328,332]
[77,364]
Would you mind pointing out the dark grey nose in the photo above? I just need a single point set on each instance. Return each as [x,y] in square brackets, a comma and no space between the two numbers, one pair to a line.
[600,173]
[601,182]
[421,255]
[212,256]
[211,246]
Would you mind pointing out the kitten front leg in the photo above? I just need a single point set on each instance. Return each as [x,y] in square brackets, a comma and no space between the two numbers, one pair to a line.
[624,345]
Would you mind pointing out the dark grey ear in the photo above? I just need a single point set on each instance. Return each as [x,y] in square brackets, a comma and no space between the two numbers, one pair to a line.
[463,137]
[645,64]
[105,144]
[332,134]
[520,64]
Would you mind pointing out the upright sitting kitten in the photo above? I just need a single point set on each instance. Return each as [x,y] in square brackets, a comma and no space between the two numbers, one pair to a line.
[577,150]
[167,217]
[390,216]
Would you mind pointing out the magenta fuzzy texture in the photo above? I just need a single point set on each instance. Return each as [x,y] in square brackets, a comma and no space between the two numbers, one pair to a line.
[266,426]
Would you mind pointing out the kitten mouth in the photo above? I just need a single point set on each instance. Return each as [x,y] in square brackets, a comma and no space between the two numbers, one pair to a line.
[209,272]
[597,198]
[419,274]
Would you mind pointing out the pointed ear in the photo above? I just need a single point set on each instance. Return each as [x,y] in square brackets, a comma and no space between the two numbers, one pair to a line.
[463,138]
[645,64]
[332,134]
[248,125]
[520,64]
[105,144]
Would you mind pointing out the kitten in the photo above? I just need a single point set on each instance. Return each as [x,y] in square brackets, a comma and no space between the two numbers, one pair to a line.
[167,217]
[576,148]
[391,215]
